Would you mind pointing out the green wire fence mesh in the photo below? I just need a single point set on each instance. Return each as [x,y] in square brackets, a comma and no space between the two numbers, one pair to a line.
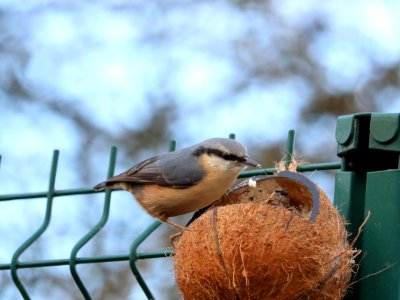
[368,181]
[134,255]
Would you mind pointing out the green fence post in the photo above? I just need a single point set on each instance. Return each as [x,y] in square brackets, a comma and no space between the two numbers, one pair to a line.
[381,240]
[352,135]
[369,181]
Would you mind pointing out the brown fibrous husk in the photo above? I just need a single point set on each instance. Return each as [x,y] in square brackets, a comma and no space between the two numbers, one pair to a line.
[257,244]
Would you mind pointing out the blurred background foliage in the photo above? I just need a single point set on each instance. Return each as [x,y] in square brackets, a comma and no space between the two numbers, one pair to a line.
[81,76]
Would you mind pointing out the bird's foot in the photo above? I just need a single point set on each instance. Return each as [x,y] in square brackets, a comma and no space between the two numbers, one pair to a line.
[168,221]
[173,238]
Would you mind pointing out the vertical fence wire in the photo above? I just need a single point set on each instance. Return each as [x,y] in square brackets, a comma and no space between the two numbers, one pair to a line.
[133,257]
[35,236]
[97,227]
[289,148]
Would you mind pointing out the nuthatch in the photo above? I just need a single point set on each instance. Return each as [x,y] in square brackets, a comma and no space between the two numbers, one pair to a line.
[185,180]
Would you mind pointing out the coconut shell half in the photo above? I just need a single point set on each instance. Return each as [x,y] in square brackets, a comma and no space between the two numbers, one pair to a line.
[282,239]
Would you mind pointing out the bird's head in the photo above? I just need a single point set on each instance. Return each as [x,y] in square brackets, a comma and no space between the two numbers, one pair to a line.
[225,154]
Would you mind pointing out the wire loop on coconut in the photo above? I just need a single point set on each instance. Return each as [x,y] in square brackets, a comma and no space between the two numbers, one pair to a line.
[217,244]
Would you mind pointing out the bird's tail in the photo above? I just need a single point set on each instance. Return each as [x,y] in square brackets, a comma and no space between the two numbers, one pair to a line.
[107,185]
[100,186]
[119,182]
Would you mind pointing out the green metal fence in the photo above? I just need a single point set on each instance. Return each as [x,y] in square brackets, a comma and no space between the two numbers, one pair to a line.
[369,181]
[359,137]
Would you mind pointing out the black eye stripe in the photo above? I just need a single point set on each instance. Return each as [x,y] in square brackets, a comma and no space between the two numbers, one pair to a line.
[200,150]
[219,153]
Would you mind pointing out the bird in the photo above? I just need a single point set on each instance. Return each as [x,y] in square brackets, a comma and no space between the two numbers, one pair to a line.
[184,180]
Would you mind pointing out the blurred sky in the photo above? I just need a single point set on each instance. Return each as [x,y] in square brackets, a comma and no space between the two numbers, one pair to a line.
[105,61]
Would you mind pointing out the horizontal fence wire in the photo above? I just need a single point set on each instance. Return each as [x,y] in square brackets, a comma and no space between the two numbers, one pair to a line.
[244,174]
[133,256]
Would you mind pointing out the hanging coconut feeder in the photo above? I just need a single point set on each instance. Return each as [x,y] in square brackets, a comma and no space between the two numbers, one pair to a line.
[271,237]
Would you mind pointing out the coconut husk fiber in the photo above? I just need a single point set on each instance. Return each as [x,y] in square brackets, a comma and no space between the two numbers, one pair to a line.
[282,239]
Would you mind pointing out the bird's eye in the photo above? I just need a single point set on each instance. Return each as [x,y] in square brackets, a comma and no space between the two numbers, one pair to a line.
[242,159]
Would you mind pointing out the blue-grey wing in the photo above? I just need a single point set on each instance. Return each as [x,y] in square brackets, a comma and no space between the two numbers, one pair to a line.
[181,168]
[178,169]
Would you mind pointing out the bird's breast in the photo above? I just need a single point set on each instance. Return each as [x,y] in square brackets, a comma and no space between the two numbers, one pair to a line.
[169,201]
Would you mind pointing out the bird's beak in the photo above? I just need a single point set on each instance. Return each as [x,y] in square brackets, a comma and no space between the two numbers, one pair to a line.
[250,162]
